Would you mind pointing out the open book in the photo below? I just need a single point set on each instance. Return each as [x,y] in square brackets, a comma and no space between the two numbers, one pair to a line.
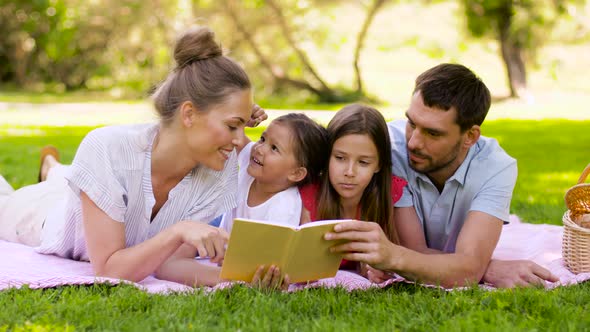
[300,252]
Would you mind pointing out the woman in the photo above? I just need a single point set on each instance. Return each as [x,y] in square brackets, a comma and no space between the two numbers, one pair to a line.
[136,198]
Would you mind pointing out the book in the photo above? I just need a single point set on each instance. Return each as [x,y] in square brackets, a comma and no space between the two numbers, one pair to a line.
[300,252]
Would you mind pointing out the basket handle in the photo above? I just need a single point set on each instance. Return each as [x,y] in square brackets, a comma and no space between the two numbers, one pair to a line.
[584,174]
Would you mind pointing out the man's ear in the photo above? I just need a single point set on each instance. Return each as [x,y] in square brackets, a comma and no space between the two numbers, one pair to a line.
[297,174]
[187,113]
[471,136]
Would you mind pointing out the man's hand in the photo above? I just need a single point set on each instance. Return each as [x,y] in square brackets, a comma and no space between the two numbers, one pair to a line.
[520,273]
[366,243]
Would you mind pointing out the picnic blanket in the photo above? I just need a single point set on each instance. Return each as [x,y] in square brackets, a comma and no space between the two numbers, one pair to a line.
[21,265]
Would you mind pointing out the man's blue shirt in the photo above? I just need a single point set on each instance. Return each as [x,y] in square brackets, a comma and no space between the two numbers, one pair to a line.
[484,182]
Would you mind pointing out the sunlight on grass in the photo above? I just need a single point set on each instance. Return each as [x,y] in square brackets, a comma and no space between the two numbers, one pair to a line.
[77,114]
[30,327]
[570,177]
[13,95]
[23,131]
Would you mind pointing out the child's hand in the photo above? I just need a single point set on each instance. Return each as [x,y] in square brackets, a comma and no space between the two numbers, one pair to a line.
[271,280]
[376,276]
[258,115]
[363,268]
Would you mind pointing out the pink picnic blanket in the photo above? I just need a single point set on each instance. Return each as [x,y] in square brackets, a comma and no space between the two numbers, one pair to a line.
[21,265]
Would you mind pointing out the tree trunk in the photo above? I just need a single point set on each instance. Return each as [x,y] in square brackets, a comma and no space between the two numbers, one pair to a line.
[276,72]
[360,43]
[21,59]
[287,33]
[512,56]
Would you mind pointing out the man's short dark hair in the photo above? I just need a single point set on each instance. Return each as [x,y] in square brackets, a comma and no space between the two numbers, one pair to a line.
[452,85]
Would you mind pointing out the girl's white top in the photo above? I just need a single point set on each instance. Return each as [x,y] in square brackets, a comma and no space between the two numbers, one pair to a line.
[283,208]
[113,167]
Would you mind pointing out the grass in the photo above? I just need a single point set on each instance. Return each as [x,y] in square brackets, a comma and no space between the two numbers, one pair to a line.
[550,153]
[401,307]
[13,95]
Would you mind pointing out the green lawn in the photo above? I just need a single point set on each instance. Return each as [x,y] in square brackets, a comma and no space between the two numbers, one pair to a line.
[11,94]
[401,307]
[551,154]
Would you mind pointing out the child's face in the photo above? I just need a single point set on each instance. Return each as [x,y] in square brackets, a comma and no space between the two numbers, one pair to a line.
[273,158]
[353,162]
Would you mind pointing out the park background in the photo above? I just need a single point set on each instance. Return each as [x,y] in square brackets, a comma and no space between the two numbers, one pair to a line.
[67,67]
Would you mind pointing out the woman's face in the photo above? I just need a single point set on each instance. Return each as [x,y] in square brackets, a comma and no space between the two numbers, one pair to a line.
[215,133]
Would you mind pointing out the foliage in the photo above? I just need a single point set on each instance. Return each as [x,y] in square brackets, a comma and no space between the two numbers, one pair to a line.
[124,46]
[521,27]
[79,43]
[69,44]
[531,20]
[277,40]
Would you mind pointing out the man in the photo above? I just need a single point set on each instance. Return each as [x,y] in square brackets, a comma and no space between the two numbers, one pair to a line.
[458,194]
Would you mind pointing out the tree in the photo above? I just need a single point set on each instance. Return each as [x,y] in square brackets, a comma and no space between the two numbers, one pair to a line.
[520,26]
[274,31]
[360,43]
[71,41]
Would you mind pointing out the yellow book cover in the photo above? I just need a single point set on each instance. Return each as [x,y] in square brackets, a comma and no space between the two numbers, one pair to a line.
[300,252]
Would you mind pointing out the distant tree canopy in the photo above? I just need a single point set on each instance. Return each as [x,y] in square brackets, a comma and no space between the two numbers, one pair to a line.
[520,26]
[274,32]
[71,44]
[77,43]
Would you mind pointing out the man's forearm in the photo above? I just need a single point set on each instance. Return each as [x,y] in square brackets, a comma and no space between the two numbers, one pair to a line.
[473,250]
[433,267]
[430,251]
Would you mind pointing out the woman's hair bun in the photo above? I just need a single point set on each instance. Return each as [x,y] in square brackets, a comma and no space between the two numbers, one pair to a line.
[194,45]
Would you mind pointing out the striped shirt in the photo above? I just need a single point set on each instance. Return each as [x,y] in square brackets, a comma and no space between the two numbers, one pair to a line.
[113,168]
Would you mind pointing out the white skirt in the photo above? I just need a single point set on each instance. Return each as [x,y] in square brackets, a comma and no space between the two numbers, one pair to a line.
[23,212]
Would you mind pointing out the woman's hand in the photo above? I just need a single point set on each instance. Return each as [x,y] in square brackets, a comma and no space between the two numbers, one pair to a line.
[209,241]
[272,279]
[258,115]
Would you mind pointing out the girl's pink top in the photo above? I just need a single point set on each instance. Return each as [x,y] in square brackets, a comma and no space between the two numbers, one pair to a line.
[310,191]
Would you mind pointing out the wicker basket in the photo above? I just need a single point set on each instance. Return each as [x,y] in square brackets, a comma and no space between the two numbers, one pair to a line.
[577,198]
[575,246]
[576,239]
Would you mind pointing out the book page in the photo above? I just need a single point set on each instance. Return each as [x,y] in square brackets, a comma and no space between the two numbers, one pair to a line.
[324,222]
[254,243]
[310,257]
